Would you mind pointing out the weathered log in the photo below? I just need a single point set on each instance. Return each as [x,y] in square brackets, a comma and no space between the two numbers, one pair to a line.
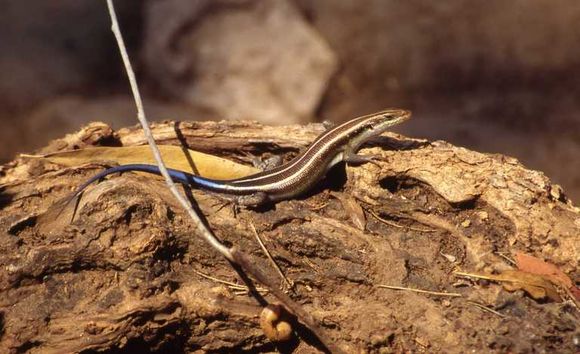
[127,273]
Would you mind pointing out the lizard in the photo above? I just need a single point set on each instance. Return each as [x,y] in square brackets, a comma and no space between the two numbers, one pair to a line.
[291,179]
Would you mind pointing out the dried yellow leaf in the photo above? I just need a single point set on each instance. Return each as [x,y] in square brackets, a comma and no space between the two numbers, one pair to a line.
[174,157]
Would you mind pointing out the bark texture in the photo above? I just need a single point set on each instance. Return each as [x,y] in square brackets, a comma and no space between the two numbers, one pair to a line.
[127,274]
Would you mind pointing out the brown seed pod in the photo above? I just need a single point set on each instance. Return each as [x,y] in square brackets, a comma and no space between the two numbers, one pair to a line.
[274,328]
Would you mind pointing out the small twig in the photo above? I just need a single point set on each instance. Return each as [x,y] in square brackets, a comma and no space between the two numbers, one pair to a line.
[319,207]
[232,284]
[485,308]
[420,291]
[390,223]
[288,283]
[232,254]
[435,221]
[241,292]
[473,275]
[508,259]
[228,283]
[201,228]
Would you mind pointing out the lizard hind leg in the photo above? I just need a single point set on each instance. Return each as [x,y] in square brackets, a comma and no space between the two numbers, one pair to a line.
[267,164]
[252,200]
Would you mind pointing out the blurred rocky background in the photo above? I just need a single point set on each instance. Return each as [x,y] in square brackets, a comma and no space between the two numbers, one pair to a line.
[495,76]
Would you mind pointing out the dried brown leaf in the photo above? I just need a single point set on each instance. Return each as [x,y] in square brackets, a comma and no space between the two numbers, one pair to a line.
[534,284]
[535,265]
[538,286]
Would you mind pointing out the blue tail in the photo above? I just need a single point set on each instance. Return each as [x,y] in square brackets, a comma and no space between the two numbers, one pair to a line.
[176,175]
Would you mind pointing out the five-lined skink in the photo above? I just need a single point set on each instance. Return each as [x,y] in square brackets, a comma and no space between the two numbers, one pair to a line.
[293,178]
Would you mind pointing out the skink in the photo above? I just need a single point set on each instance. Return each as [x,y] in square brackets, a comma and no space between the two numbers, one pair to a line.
[293,178]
